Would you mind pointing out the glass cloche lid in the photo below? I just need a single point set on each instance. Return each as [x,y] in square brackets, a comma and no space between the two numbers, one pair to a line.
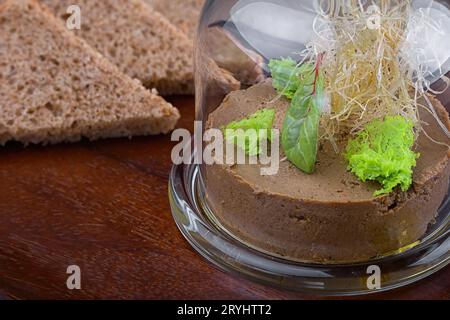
[325,143]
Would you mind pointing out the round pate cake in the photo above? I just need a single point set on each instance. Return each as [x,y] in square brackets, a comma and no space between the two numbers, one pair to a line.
[329,216]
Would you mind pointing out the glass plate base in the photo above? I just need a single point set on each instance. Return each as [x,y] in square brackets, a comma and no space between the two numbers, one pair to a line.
[202,231]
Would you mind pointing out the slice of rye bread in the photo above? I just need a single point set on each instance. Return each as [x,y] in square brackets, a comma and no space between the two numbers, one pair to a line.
[139,40]
[54,87]
[185,14]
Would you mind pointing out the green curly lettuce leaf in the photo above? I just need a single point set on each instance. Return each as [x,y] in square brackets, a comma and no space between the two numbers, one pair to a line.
[248,133]
[285,76]
[382,152]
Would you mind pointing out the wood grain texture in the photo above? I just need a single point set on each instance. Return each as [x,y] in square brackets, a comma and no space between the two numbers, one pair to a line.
[104,206]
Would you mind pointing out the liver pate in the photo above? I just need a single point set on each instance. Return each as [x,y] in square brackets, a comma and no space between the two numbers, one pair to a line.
[329,216]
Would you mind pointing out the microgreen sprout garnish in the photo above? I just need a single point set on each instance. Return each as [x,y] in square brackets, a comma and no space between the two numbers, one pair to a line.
[372,72]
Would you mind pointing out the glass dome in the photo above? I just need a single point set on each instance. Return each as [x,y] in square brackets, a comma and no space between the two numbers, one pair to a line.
[321,156]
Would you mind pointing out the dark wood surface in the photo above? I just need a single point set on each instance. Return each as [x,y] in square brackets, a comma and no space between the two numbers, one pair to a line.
[104,206]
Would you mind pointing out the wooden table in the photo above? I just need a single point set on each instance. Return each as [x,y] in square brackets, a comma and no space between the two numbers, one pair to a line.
[103,206]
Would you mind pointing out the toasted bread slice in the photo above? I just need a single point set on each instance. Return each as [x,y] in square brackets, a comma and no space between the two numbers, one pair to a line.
[54,87]
[139,40]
